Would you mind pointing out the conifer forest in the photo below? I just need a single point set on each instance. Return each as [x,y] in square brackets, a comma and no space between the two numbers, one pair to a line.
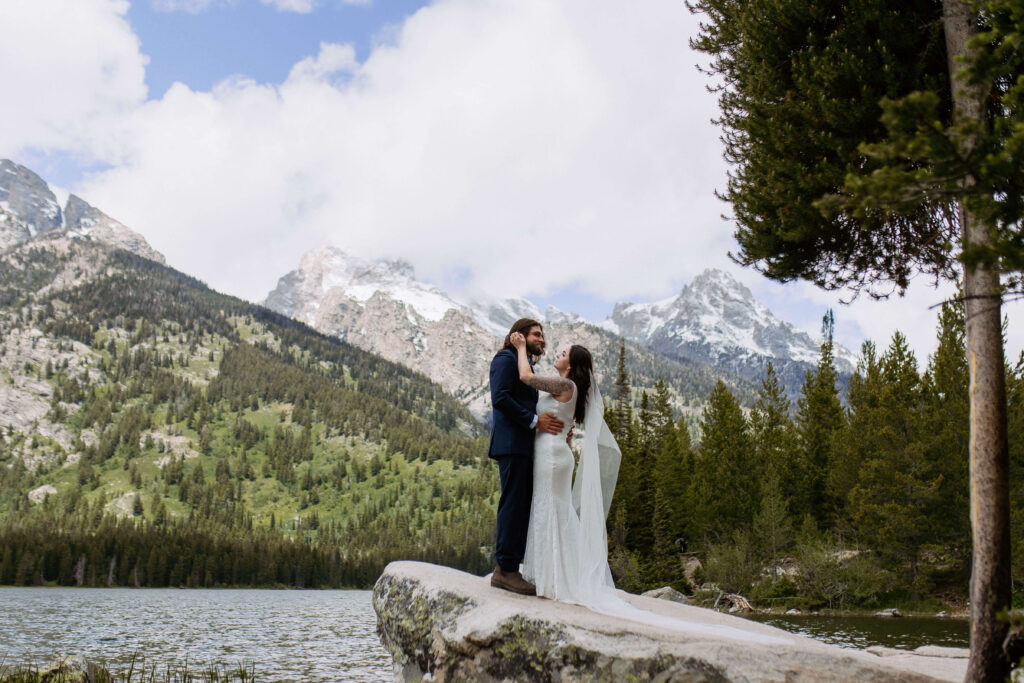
[193,439]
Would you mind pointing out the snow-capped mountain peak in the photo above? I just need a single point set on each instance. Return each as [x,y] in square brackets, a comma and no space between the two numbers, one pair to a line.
[556,315]
[716,319]
[329,269]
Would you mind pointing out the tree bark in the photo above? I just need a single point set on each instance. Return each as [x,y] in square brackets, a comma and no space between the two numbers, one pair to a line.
[990,496]
[990,469]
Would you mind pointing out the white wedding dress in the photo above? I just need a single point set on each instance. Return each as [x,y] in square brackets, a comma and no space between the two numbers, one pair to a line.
[566,541]
[552,560]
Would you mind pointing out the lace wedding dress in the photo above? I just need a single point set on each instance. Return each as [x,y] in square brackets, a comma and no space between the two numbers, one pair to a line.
[552,560]
[566,542]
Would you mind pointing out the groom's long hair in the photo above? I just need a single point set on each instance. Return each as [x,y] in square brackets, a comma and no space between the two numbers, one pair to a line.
[523,326]
[581,372]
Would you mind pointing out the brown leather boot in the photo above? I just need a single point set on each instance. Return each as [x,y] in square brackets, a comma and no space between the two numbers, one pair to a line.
[512,581]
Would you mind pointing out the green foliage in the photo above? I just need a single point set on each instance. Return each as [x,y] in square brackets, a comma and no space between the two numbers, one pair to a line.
[290,458]
[925,158]
[895,503]
[732,564]
[725,486]
[894,524]
[802,84]
[819,424]
[65,671]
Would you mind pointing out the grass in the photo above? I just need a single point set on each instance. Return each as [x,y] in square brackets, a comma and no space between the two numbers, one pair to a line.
[79,670]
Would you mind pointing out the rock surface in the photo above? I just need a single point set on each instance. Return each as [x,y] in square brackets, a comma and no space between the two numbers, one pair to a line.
[667,593]
[28,207]
[72,670]
[441,624]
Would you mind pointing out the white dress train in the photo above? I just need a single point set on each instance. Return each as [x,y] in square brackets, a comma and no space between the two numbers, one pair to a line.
[566,541]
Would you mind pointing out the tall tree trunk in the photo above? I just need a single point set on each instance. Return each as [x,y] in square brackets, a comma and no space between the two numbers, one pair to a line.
[990,496]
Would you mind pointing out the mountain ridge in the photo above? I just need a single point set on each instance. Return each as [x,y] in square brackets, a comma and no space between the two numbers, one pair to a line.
[715,322]
[29,208]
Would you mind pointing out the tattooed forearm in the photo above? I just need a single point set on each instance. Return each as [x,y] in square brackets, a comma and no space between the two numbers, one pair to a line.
[552,385]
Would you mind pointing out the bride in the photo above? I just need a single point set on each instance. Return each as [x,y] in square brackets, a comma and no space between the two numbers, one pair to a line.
[566,543]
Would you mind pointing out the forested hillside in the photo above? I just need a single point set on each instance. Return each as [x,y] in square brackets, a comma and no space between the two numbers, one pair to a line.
[160,433]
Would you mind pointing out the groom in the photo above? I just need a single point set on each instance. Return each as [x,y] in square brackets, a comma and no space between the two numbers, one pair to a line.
[513,421]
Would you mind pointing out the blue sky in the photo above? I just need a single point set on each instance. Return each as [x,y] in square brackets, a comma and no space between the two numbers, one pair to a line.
[252,39]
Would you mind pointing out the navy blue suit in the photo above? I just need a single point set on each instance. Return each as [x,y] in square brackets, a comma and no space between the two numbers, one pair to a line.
[514,410]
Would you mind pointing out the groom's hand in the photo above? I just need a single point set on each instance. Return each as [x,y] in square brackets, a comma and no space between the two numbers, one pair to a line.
[547,422]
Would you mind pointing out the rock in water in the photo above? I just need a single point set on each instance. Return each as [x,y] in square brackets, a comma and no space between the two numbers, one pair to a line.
[72,670]
[441,624]
[667,593]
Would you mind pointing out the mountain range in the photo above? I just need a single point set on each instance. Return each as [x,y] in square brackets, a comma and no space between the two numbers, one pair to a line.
[714,324]
[713,329]
[348,416]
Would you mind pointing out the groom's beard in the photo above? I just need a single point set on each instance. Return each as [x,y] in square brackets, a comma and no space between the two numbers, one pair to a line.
[535,350]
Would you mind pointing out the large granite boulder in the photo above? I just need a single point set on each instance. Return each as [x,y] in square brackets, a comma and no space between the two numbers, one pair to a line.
[441,624]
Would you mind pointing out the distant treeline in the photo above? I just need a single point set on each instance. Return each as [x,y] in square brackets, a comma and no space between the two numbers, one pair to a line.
[78,544]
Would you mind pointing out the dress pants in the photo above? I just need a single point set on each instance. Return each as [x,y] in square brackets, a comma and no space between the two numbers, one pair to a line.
[516,474]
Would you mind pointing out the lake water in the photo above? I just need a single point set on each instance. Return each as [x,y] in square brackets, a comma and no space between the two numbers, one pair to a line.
[287,634]
[904,633]
[294,635]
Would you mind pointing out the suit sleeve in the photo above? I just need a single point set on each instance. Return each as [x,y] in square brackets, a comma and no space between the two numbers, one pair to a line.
[504,375]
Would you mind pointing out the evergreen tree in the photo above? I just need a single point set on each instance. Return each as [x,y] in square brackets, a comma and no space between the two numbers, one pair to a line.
[945,428]
[896,501]
[773,526]
[864,435]
[724,490]
[819,423]
[641,508]
[773,433]
[864,152]
[623,405]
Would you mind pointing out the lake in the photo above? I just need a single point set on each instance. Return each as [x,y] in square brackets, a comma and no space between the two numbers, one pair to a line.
[295,635]
[287,634]
[904,633]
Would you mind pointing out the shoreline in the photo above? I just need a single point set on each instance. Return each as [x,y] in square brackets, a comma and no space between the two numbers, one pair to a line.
[769,611]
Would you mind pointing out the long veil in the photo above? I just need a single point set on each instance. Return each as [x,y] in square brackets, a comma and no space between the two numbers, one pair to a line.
[592,491]
[593,488]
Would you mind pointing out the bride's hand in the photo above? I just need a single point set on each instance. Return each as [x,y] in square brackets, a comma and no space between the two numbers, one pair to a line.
[517,340]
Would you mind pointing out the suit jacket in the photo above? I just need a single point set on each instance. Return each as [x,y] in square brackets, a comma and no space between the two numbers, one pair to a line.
[514,407]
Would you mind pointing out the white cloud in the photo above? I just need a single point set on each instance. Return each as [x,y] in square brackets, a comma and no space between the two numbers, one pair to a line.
[188,6]
[197,6]
[332,59]
[532,145]
[539,144]
[300,6]
[72,71]
[306,6]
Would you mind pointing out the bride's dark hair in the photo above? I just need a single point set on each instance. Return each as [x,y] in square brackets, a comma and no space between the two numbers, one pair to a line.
[581,372]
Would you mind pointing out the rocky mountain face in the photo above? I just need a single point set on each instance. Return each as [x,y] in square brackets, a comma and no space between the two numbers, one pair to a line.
[381,307]
[28,207]
[716,320]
